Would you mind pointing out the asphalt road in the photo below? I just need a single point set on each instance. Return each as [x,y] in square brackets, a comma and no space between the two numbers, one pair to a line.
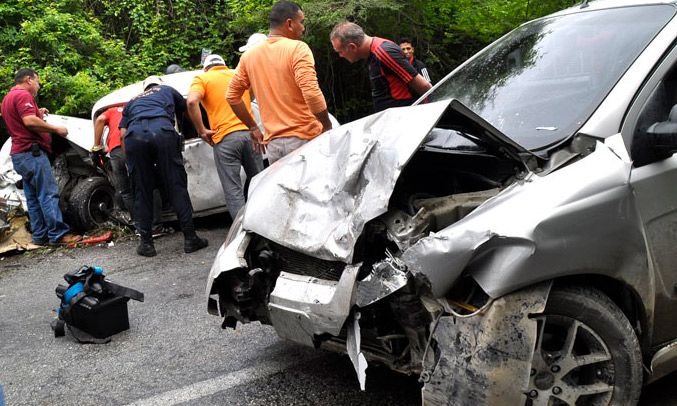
[174,352]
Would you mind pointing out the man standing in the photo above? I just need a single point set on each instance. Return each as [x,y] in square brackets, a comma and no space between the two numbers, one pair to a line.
[233,147]
[408,48]
[112,117]
[394,82]
[281,72]
[149,139]
[30,145]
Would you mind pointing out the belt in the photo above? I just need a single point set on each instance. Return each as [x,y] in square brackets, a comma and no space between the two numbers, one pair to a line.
[148,120]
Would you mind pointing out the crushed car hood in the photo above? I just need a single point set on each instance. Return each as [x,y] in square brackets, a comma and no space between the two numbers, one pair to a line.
[318,199]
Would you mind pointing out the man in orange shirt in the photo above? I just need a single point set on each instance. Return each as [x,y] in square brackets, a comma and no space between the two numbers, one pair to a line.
[233,147]
[281,72]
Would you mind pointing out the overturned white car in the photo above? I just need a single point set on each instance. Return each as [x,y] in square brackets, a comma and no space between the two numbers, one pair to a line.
[86,190]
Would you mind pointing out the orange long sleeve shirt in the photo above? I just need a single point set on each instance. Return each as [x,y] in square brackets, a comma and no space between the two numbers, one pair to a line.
[281,71]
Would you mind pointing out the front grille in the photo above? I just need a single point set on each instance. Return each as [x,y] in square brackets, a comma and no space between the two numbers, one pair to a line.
[294,262]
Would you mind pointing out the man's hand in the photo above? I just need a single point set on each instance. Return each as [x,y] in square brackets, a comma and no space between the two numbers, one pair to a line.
[323,118]
[61,130]
[257,139]
[96,154]
[44,111]
[207,135]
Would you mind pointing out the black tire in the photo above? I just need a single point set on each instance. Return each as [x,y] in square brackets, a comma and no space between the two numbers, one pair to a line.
[89,203]
[586,352]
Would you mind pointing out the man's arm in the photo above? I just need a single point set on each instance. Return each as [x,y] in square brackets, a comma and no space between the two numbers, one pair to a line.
[419,85]
[123,131]
[242,113]
[36,124]
[99,124]
[306,79]
[193,101]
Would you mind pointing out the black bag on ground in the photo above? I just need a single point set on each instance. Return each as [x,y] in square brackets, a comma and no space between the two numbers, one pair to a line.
[91,307]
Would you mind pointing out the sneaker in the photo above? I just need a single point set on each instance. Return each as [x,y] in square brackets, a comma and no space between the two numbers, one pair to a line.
[194,244]
[67,239]
[146,249]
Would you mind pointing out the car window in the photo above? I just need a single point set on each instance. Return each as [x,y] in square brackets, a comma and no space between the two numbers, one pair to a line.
[541,82]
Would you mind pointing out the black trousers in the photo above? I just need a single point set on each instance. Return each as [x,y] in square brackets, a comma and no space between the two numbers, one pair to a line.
[151,143]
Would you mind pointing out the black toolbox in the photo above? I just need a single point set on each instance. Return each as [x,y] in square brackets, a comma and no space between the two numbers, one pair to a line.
[101,320]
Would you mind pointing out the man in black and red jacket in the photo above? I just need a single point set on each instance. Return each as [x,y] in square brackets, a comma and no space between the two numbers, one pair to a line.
[394,81]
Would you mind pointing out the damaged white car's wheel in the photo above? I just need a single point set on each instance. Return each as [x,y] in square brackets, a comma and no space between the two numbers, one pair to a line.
[586,352]
[90,202]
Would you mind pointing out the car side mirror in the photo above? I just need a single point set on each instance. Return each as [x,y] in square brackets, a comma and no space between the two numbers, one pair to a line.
[658,142]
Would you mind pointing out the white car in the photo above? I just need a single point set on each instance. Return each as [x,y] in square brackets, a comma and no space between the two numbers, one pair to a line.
[87,194]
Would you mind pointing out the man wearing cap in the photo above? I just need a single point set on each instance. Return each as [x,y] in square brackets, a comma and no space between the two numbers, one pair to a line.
[394,82]
[281,72]
[149,139]
[253,39]
[233,148]
[30,145]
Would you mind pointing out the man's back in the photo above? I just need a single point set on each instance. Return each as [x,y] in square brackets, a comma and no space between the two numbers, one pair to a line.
[212,86]
[114,115]
[281,72]
[389,73]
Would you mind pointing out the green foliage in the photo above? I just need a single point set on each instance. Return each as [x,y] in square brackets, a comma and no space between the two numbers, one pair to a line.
[84,49]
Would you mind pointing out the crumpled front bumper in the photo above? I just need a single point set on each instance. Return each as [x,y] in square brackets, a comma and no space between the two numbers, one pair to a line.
[302,308]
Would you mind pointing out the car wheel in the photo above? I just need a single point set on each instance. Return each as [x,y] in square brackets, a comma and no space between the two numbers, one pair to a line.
[90,202]
[586,352]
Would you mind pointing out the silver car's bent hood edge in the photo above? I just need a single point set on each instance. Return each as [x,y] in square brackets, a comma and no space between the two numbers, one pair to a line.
[318,199]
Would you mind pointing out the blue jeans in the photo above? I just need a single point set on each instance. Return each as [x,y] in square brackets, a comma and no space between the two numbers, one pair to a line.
[234,151]
[42,196]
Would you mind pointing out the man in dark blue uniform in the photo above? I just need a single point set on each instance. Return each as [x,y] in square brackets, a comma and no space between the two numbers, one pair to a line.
[149,139]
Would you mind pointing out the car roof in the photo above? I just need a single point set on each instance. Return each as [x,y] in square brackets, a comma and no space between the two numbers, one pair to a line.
[180,81]
[607,4]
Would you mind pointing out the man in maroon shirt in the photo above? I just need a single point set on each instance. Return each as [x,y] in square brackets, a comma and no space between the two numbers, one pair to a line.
[30,145]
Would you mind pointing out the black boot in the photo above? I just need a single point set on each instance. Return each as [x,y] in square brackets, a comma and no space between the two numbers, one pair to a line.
[193,244]
[146,248]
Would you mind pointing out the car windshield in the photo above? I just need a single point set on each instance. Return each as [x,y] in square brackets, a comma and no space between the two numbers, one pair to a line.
[541,82]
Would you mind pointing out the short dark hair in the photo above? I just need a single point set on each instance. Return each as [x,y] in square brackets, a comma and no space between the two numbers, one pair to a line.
[407,40]
[347,33]
[22,74]
[281,11]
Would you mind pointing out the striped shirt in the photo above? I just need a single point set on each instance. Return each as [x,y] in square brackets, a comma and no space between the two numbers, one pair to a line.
[389,73]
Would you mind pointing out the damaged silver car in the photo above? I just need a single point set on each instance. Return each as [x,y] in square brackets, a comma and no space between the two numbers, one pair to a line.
[496,239]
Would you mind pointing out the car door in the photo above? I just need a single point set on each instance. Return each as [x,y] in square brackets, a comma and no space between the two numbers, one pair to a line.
[654,183]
